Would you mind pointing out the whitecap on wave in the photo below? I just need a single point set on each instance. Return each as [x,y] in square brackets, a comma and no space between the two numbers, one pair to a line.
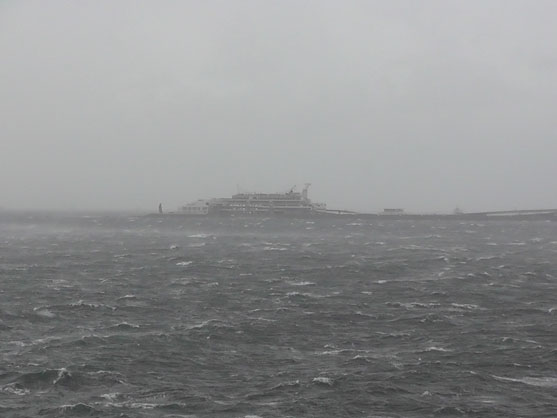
[44,313]
[199,236]
[545,382]
[125,325]
[110,396]
[214,323]
[302,283]
[129,296]
[81,304]
[323,380]
[269,248]
[197,245]
[435,348]
[15,389]
[469,306]
[132,405]
[309,295]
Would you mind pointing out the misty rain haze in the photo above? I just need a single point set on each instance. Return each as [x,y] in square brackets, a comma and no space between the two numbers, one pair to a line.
[115,301]
[419,105]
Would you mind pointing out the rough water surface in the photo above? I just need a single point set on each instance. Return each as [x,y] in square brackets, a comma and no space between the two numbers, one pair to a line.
[127,316]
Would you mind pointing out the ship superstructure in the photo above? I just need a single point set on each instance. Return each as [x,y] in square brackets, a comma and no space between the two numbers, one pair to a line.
[291,202]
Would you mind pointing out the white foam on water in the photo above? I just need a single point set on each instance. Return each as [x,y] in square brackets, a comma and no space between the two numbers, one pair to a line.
[210,322]
[332,352]
[470,306]
[125,255]
[227,261]
[260,318]
[12,389]
[110,396]
[360,357]
[81,304]
[63,372]
[309,295]
[435,348]
[69,407]
[184,263]
[133,405]
[323,380]
[490,257]
[127,324]
[412,305]
[544,382]
[45,313]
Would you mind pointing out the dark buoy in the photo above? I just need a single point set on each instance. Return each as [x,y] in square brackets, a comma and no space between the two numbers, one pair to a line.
[160,208]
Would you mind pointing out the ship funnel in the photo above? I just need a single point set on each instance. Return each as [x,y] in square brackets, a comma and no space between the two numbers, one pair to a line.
[305,191]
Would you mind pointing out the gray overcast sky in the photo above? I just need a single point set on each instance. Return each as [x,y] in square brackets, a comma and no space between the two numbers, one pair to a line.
[423,105]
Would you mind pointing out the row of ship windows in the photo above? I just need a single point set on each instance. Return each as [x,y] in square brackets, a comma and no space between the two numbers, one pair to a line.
[266,198]
[266,203]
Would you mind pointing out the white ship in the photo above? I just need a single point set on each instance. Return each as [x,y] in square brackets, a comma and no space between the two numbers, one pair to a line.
[291,202]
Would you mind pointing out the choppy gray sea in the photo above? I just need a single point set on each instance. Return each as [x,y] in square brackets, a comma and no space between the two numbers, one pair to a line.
[131,316]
